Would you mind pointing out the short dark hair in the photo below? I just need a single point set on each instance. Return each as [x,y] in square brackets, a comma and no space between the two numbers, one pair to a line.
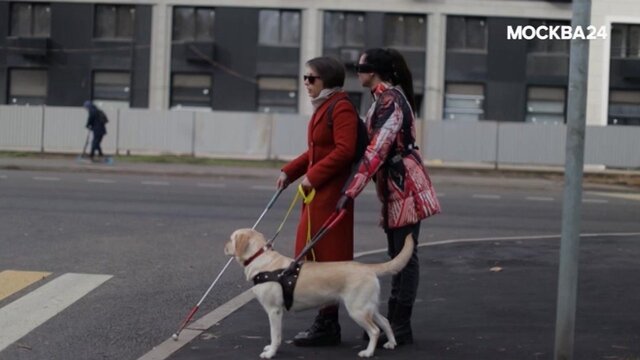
[330,70]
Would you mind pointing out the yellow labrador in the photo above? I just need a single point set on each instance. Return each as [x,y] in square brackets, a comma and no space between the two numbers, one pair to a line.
[355,284]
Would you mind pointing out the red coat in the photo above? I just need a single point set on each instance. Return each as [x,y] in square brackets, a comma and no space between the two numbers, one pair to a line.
[327,164]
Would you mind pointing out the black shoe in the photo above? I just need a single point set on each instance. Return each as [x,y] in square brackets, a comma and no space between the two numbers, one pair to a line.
[325,331]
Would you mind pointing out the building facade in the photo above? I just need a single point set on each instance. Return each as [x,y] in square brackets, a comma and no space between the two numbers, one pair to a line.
[250,55]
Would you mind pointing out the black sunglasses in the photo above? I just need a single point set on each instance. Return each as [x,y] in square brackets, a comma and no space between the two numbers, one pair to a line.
[364,68]
[310,78]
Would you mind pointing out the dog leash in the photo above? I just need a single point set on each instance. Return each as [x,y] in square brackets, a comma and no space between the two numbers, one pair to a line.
[306,200]
[195,308]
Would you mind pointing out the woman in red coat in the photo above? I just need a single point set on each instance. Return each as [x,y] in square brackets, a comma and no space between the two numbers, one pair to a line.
[325,167]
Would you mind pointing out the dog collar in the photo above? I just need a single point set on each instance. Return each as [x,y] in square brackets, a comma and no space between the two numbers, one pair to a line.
[254,256]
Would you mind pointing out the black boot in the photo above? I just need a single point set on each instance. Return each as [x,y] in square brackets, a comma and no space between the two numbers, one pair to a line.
[324,331]
[401,324]
[391,307]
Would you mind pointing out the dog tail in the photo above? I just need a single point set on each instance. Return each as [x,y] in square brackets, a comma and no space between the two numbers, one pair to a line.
[398,263]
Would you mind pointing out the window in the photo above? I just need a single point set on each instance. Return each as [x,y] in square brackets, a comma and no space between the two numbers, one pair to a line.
[464,102]
[30,19]
[466,33]
[624,107]
[191,24]
[625,41]
[549,46]
[114,21]
[27,87]
[405,31]
[277,94]
[279,28]
[546,105]
[343,29]
[111,86]
[191,90]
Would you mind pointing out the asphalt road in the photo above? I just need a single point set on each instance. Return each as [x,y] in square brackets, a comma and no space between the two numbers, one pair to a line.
[161,240]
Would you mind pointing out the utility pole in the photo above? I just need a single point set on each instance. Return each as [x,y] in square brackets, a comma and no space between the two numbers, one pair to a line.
[572,203]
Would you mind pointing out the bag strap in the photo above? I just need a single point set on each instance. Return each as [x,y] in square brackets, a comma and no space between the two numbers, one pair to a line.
[333,105]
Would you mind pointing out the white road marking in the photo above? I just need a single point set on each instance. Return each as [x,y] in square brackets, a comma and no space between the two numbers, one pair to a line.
[216,186]
[486,196]
[539,198]
[45,178]
[32,310]
[595,201]
[155,183]
[101,181]
[635,197]
[169,346]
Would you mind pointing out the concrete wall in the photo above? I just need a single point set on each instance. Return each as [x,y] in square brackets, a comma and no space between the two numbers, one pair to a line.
[251,135]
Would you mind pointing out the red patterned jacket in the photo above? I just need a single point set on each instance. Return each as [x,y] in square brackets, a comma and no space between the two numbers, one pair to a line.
[402,182]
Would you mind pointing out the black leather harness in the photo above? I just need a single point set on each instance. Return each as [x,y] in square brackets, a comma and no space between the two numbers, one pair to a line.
[287,278]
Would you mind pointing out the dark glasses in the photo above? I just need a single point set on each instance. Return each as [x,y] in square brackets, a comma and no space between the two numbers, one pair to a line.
[310,78]
[364,68]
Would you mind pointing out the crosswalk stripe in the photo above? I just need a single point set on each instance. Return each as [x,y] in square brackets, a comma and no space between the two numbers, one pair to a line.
[32,310]
[12,281]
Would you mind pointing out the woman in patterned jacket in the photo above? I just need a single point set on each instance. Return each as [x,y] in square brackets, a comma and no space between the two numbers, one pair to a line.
[402,183]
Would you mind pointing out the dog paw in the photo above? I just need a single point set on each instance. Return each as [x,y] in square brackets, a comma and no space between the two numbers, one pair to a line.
[268,352]
[365,353]
[390,345]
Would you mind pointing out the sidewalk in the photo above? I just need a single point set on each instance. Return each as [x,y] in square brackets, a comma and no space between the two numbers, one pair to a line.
[533,177]
[466,311]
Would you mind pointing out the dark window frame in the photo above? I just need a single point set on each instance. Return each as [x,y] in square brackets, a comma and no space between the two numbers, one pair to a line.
[118,33]
[341,37]
[9,78]
[625,120]
[464,47]
[109,71]
[280,42]
[197,25]
[483,85]
[564,105]
[626,46]
[260,105]
[405,43]
[32,19]
[174,104]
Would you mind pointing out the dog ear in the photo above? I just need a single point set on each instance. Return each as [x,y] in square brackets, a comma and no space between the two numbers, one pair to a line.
[242,242]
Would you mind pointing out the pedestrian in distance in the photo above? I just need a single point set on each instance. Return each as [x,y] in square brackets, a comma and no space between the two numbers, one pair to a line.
[325,166]
[96,123]
[402,182]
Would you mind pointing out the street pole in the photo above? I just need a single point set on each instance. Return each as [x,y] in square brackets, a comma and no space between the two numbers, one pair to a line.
[572,203]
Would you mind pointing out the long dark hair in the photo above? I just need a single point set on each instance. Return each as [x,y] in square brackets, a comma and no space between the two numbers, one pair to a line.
[391,66]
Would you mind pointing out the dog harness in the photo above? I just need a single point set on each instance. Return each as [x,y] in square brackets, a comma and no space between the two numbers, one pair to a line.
[287,278]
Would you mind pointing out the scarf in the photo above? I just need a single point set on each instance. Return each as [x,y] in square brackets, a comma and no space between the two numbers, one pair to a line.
[323,96]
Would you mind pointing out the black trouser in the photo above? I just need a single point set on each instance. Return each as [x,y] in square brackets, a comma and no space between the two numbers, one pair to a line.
[404,285]
[95,144]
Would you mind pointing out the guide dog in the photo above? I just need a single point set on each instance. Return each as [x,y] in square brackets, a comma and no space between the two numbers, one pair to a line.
[353,283]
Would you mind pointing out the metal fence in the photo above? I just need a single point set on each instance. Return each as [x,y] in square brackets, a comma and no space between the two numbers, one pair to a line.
[251,135]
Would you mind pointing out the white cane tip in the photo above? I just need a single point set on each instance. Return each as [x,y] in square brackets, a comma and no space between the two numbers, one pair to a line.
[174,337]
